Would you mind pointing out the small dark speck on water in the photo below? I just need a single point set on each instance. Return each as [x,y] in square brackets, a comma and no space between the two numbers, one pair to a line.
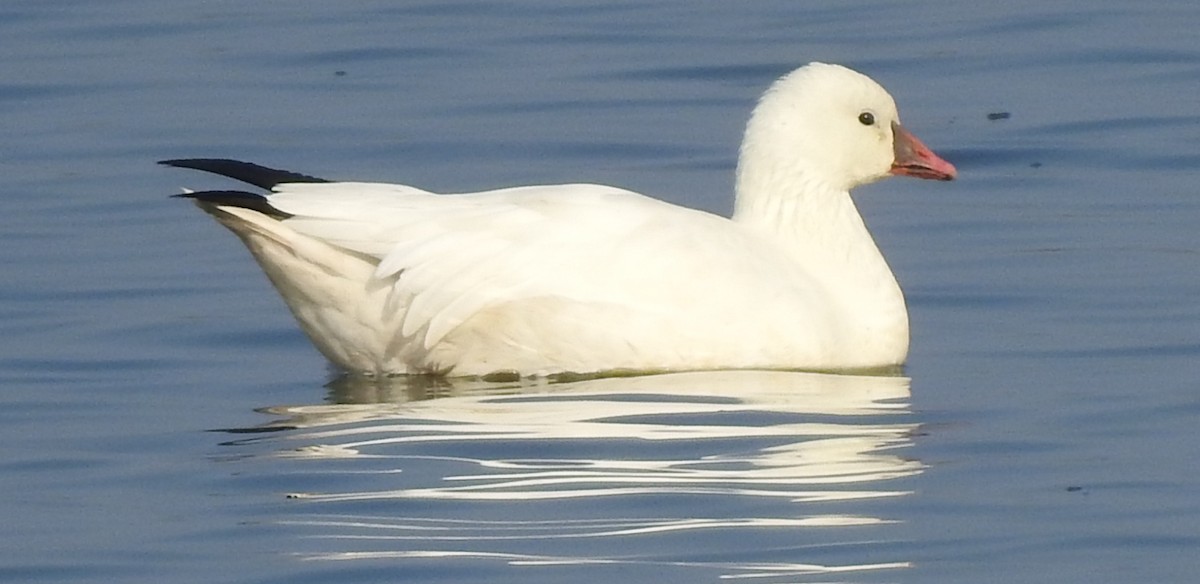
[999,116]
[339,73]
[1035,165]
[1074,489]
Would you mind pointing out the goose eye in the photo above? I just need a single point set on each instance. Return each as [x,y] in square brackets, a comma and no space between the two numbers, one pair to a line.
[866,118]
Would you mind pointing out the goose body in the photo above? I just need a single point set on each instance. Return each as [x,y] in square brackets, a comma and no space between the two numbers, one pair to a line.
[539,280]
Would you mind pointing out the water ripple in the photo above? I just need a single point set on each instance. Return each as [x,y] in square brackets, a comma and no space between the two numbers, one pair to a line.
[651,466]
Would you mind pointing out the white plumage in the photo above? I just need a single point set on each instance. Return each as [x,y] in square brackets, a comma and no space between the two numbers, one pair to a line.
[390,279]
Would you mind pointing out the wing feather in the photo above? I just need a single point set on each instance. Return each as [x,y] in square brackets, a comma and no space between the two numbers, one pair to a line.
[449,257]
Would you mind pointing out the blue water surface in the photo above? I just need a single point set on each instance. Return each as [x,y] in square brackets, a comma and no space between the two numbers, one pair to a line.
[163,419]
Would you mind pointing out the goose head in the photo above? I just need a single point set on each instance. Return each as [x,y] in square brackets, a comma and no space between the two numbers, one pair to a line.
[833,125]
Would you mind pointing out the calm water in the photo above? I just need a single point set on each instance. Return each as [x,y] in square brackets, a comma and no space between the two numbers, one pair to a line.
[163,420]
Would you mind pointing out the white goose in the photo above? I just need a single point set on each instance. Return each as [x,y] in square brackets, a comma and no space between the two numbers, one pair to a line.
[540,280]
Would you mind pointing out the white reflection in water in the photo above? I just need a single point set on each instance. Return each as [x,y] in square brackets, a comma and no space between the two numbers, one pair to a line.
[714,438]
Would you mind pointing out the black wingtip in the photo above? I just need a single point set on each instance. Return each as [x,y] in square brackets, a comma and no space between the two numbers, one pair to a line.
[236,199]
[260,176]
